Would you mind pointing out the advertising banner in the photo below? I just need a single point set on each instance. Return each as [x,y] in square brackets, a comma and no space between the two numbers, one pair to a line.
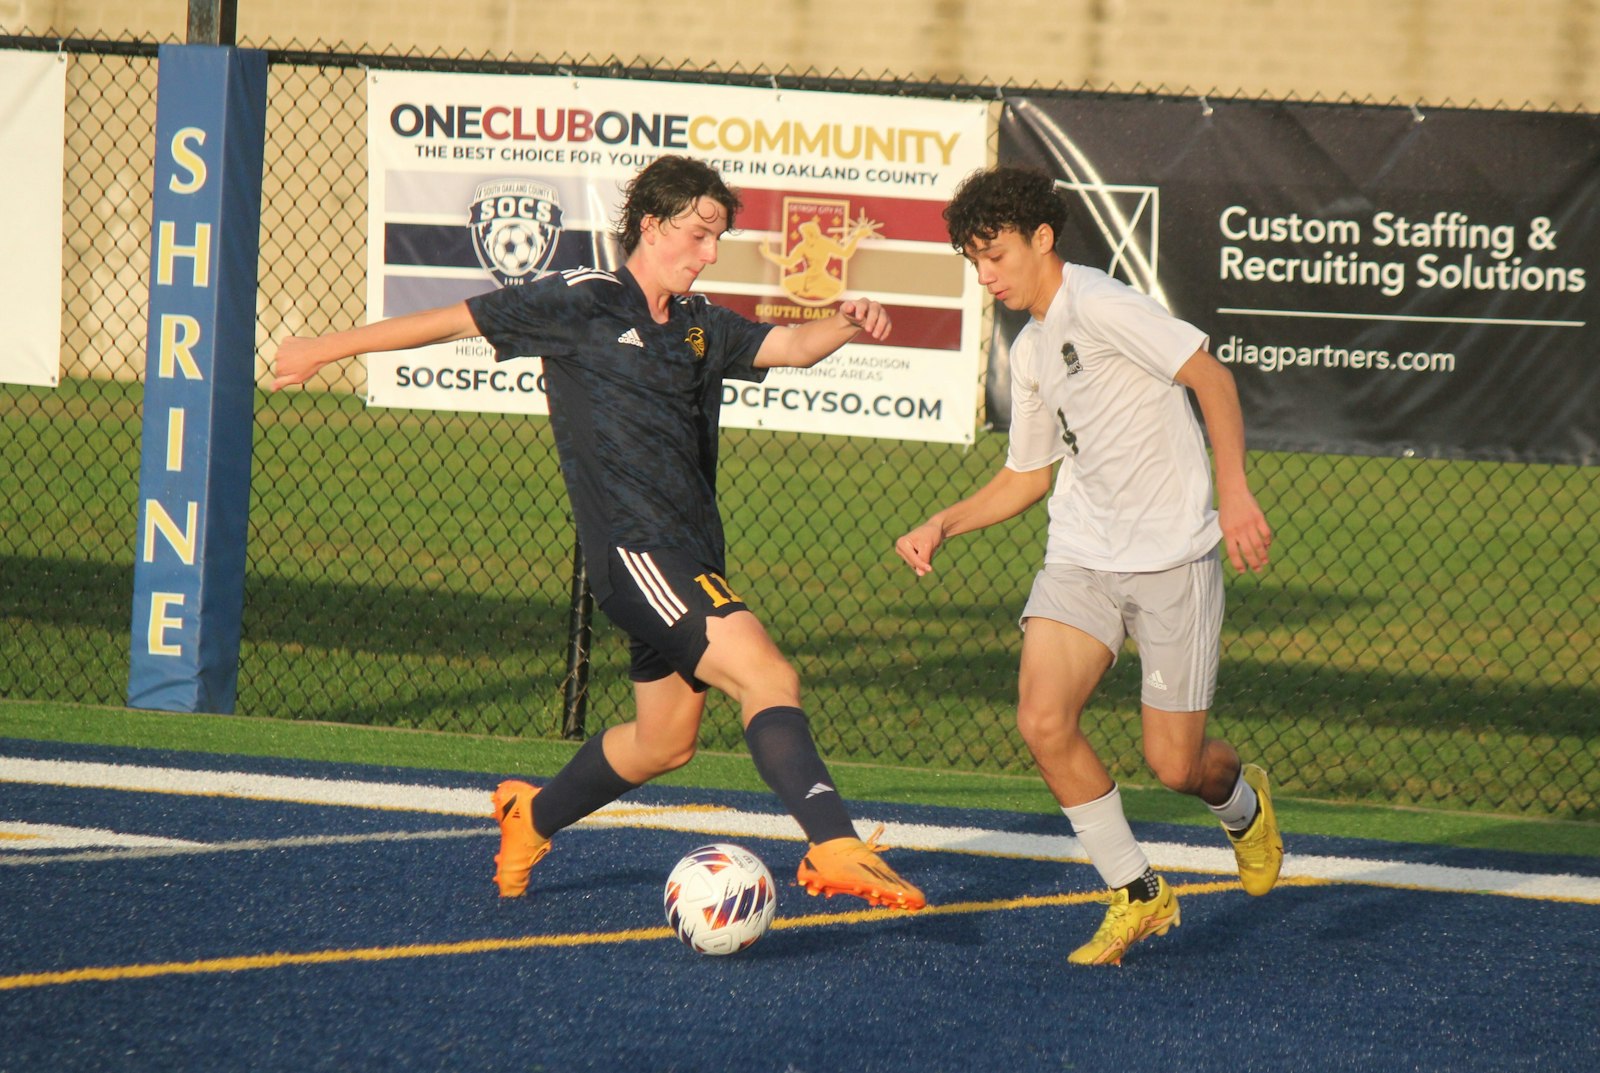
[1381,281]
[33,95]
[483,181]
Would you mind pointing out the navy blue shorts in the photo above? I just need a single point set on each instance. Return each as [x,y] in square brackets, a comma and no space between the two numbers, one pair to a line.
[661,599]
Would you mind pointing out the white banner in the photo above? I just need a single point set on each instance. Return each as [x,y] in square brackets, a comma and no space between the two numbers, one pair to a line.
[842,198]
[33,103]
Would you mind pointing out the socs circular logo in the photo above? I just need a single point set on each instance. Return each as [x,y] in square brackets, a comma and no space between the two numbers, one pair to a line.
[515,225]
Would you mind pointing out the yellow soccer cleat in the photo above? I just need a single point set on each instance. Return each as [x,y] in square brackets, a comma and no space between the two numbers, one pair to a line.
[1127,922]
[521,847]
[1260,849]
[851,866]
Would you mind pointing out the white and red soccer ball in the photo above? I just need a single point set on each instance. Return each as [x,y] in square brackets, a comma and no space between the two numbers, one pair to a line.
[720,899]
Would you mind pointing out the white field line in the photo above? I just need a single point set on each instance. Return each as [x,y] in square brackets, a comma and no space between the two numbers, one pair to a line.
[728,822]
[119,847]
[52,836]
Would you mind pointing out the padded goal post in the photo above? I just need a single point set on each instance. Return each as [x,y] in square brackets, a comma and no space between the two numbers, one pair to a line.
[194,475]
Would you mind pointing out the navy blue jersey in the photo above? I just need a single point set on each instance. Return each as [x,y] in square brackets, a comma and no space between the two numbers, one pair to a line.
[634,405]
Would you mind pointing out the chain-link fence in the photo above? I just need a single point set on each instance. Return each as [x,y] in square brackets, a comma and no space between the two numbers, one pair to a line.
[1425,635]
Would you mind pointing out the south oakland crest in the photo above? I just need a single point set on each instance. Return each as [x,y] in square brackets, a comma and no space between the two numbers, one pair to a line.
[1069,354]
[515,224]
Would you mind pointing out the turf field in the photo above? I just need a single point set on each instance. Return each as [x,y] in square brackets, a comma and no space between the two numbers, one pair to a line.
[186,910]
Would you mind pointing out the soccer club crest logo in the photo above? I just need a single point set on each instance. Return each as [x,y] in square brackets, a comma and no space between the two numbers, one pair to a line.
[1069,354]
[697,341]
[515,225]
[819,238]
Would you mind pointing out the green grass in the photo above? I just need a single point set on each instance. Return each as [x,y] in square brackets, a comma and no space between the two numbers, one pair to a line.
[862,783]
[1424,637]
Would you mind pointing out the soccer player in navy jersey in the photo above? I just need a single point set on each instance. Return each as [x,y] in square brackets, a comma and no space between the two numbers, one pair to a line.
[634,365]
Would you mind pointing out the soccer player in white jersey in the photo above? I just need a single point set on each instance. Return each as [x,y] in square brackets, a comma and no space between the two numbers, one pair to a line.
[1098,393]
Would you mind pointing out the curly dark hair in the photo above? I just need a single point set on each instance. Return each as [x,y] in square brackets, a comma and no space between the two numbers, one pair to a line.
[665,188]
[989,201]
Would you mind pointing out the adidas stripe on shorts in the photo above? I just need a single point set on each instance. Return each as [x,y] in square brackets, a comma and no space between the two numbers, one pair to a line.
[661,598]
[1174,617]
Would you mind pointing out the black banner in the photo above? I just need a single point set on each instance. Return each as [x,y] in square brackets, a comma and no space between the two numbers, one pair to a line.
[1381,281]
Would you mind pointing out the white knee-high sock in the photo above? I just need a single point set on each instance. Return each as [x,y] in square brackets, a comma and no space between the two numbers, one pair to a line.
[1103,831]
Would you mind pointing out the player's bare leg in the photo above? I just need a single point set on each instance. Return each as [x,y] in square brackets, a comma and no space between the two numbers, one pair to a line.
[663,733]
[1184,759]
[1061,666]
[1187,761]
[742,661]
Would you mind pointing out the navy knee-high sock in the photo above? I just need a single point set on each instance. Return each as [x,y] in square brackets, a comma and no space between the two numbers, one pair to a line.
[586,783]
[780,743]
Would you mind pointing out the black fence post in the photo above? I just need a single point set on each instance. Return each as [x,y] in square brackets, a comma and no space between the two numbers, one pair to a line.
[580,631]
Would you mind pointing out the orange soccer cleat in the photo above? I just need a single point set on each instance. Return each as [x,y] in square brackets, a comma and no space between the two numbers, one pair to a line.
[521,847]
[851,866]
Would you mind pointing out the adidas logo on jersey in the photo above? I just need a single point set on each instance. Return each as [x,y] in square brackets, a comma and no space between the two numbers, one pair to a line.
[819,788]
[631,337]
[1155,680]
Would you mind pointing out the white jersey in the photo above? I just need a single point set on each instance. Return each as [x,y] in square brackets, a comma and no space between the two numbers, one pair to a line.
[1092,387]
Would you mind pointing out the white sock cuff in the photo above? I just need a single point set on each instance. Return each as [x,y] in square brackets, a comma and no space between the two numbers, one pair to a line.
[1103,832]
[1236,813]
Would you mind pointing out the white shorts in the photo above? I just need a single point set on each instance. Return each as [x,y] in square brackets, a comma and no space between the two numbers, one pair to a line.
[1174,617]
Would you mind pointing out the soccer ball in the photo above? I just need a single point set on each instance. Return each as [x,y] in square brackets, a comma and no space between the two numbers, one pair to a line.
[720,899]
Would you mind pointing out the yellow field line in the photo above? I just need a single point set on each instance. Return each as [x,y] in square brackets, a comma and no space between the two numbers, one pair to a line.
[110,973]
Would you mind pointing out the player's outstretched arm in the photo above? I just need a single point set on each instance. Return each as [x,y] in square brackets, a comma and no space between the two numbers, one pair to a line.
[1008,493]
[804,346]
[298,358]
[1245,532]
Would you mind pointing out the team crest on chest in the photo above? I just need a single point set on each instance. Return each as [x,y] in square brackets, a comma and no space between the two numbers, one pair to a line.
[1069,354]
[697,341]
[515,225]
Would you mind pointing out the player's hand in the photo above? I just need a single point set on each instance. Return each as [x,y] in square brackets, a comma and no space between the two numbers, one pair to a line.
[917,547]
[1245,532]
[295,363]
[868,316]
